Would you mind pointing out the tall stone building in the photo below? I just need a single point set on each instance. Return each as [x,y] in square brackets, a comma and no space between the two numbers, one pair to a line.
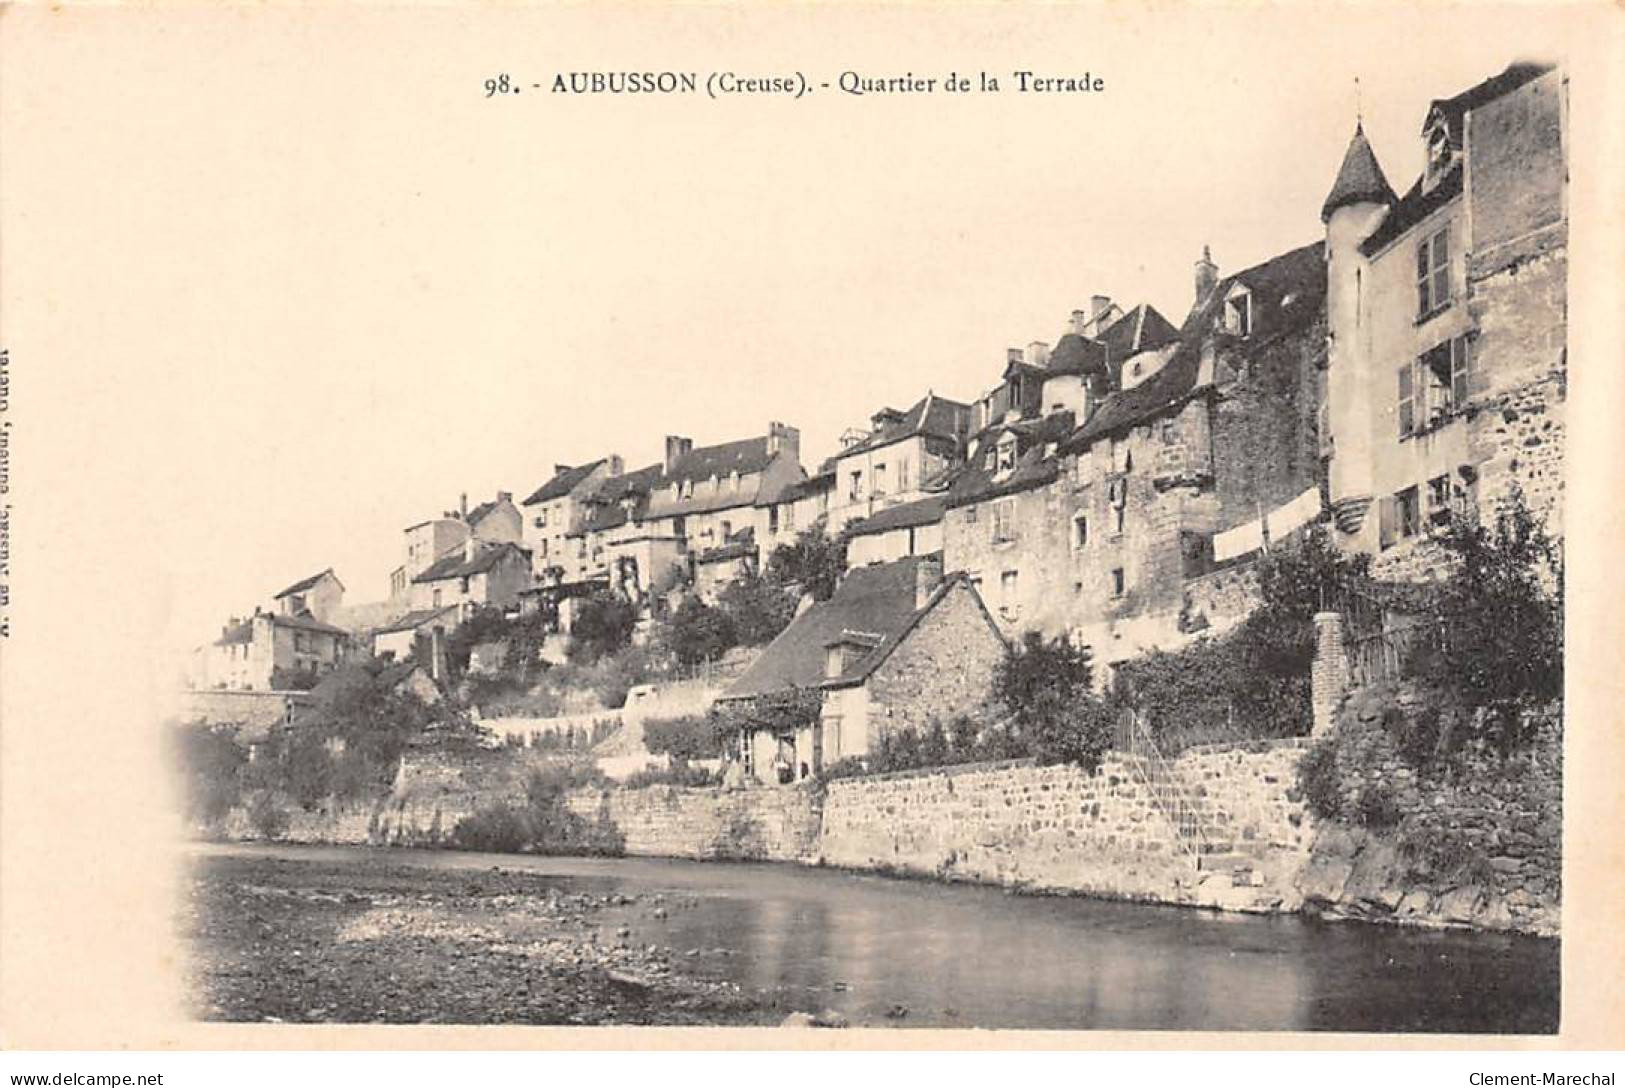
[1448,321]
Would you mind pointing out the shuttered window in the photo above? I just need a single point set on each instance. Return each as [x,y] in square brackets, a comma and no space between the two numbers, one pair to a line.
[1433,273]
[1407,400]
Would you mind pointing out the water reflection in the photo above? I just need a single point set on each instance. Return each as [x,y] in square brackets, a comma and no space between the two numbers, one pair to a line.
[922,955]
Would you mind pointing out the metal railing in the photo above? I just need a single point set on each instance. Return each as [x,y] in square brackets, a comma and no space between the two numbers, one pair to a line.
[1170,794]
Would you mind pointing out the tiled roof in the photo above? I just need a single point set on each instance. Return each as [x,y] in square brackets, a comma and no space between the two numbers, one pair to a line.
[482,511]
[1288,293]
[975,482]
[803,489]
[876,601]
[454,565]
[1412,208]
[930,415]
[413,620]
[605,509]
[1359,180]
[1075,354]
[562,483]
[908,515]
[305,583]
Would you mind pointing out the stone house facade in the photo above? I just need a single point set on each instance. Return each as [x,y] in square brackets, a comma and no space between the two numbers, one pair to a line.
[558,506]
[1448,322]
[896,646]
[477,575]
[319,596]
[896,460]
[250,654]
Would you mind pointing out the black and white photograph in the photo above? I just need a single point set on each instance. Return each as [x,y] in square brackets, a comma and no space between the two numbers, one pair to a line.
[884,523]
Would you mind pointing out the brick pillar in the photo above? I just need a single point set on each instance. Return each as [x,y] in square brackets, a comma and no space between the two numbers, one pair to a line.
[1329,676]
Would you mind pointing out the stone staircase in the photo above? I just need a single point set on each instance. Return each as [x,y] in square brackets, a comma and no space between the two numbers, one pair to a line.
[1203,833]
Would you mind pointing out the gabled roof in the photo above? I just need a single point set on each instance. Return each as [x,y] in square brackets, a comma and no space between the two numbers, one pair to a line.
[745,456]
[931,415]
[483,511]
[1141,329]
[1457,106]
[562,483]
[244,631]
[975,482]
[1288,293]
[306,583]
[908,515]
[1359,180]
[1415,206]
[454,565]
[1076,354]
[872,603]
[413,620]
[605,506]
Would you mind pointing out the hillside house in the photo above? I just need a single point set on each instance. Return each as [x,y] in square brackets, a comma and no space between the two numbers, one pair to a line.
[1448,321]
[476,575]
[558,506]
[897,646]
[893,461]
[319,596]
[269,651]
[897,532]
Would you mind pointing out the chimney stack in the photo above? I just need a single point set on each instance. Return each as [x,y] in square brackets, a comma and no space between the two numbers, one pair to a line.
[1080,322]
[927,576]
[504,496]
[470,546]
[617,467]
[1207,276]
[785,438]
[1099,304]
[1013,355]
[462,506]
[676,447]
[1037,353]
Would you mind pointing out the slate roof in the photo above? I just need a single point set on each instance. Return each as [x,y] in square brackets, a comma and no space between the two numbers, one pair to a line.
[483,510]
[1412,208]
[604,504]
[1359,180]
[745,456]
[244,631]
[741,544]
[1457,106]
[1141,329]
[453,565]
[1076,354]
[1288,292]
[809,487]
[562,483]
[908,515]
[974,482]
[413,620]
[305,583]
[874,603]
[930,415]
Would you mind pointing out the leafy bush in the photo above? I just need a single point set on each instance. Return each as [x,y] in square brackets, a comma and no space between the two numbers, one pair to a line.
[210,763]
[1320,780]
[1046,686]
[496,829]
[284,678]
[815,562]
[697,632]
[757,609]
[1502,611]
[680,774]
[267,817]
[689,737]
[545,823]
[603,624]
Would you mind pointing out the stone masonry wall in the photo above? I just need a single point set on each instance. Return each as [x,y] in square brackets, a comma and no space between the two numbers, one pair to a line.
[944,668]
[1057,828]
[769,824]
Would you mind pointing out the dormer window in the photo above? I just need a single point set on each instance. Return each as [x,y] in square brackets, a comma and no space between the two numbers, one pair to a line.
[1439,152]
[1238,312]
[1007,453]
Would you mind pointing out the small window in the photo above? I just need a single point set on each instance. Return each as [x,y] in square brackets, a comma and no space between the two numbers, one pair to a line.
[1401,518]
[970,515]
[1007,454]
[540,522]
[1433,273]
[1003,520]
[1439,499]
[1007,593]
[902,476]
[1080,531]
[1118,582]
[1459,370]
[1238,314]
[856,487]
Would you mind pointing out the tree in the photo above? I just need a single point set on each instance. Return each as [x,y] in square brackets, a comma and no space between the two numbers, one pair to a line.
[814,561]
[1046,686]
[757,608]
[603,625]
[699,632]
[1502,614]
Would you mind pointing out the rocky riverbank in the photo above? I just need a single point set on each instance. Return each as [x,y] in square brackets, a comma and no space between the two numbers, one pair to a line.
[298,941]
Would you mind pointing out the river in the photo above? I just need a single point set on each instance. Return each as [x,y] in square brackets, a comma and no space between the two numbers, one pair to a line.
[913,953]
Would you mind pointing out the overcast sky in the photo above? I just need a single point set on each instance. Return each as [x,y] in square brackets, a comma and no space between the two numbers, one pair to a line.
[321,286]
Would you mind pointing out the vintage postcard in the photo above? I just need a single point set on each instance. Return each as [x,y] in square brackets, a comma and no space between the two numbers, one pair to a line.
[810,526]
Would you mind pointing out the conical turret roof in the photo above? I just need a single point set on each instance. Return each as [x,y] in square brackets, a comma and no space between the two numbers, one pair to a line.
[1359,179]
